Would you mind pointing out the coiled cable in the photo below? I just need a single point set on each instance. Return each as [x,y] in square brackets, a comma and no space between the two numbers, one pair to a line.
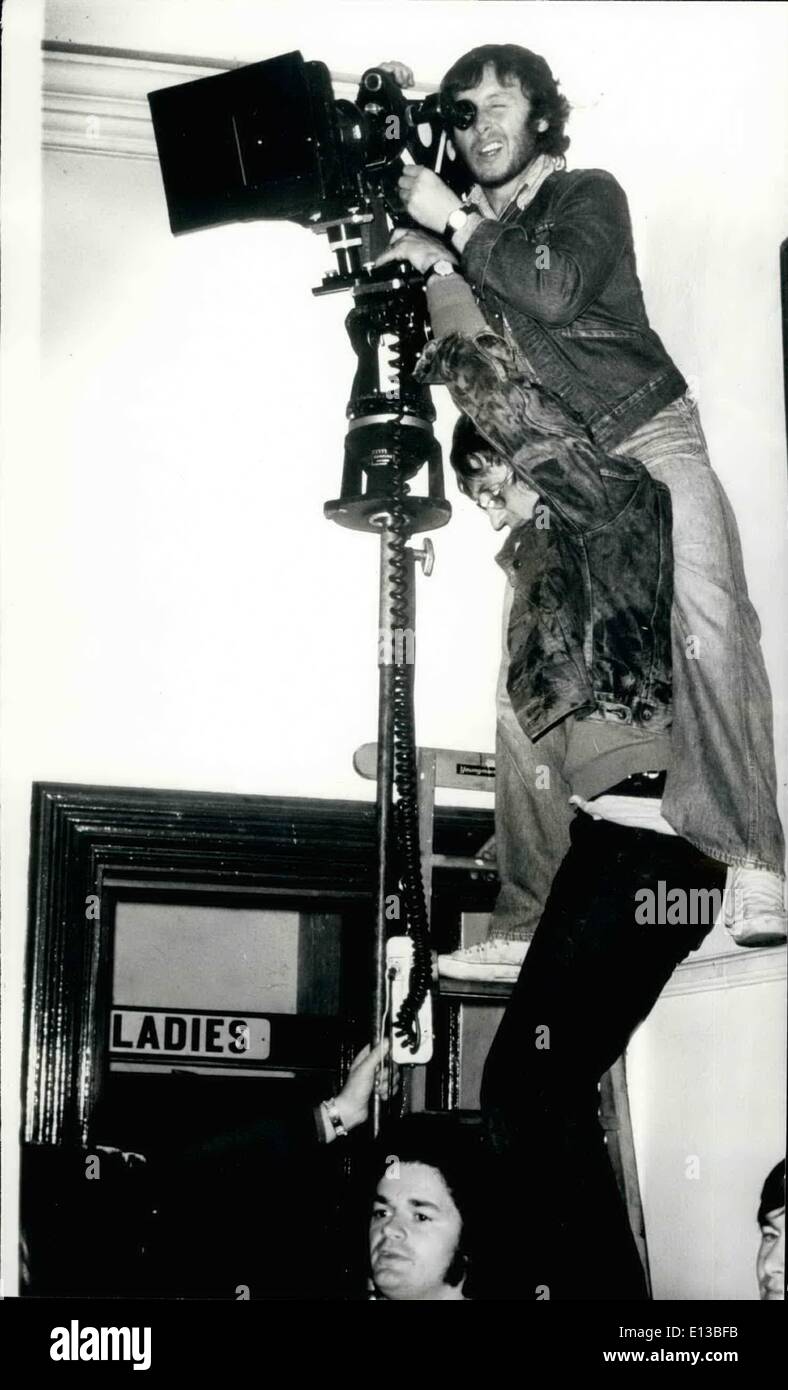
[405,766]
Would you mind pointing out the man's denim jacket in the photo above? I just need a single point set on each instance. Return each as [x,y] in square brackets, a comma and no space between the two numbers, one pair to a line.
[592,571]
[589,628]
[562,274]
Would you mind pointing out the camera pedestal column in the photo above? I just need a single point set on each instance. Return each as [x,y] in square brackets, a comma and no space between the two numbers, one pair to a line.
[396,640]
[389,440]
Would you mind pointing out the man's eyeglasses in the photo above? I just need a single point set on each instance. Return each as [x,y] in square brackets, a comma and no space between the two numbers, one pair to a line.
[489,495]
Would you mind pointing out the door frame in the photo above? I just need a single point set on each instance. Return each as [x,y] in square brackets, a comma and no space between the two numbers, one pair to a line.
[91,843]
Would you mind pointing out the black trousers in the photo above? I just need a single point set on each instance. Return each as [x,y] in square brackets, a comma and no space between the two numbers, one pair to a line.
[594,970]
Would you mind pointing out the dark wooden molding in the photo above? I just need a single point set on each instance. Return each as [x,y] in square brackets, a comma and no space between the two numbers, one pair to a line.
[92,844]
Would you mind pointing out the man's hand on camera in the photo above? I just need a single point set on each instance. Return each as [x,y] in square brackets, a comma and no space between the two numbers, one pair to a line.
[417,248]
[426,198]
[402,74]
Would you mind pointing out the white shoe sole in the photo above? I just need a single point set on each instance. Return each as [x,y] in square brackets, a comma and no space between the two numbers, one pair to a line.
[760,931]
[461,970]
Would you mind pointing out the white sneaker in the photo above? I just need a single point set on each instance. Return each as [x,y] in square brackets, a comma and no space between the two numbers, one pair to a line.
[496,960]
[754,911]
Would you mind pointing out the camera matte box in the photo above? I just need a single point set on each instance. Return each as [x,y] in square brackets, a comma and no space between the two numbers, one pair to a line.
[258,142]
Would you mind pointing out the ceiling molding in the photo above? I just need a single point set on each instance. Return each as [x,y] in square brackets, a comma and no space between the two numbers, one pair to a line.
[95,101]
[95,104]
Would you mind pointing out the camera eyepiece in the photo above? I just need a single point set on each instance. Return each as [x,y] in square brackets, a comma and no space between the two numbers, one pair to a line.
[458,114]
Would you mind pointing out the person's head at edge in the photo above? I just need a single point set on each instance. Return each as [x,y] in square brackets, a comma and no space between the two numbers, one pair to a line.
[520,112]
[488,479]
[770,1263]
[424,1185]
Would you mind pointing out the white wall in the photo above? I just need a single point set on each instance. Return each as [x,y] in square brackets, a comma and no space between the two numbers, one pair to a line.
[177,611]
[707,1081]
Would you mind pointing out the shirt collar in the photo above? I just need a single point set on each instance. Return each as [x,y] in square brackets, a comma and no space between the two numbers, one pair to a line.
[537,539]
[533,177]
[511,545]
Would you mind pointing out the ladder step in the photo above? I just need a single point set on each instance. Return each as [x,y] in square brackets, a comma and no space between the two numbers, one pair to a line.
[463,861]
[454,767]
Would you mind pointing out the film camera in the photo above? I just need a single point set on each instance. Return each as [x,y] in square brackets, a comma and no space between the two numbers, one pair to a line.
[271,141]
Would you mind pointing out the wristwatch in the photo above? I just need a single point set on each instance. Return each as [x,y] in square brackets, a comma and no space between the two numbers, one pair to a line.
[455,221]
[332,1110]
[441,267]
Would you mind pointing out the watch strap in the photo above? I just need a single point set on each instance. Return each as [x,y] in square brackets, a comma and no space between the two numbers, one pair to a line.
[330,1107]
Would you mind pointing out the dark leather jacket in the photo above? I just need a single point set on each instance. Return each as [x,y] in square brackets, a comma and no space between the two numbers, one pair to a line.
[562,271]
[589,629]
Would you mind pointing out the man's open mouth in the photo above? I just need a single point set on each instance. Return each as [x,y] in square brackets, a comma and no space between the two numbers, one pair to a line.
[489,150]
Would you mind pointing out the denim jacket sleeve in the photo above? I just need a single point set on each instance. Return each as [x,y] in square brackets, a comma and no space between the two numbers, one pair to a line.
[531,428]
[584,487]
[590,228]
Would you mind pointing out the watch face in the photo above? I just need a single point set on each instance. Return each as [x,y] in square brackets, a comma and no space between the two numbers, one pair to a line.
[443,267]
[457,218]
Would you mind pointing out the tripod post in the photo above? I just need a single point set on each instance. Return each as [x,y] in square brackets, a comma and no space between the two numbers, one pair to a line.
[389,439]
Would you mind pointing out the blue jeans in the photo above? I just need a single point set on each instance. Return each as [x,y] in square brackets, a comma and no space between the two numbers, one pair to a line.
[721,789]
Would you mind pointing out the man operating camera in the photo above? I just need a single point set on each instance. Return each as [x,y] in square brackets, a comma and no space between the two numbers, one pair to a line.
[550,258]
